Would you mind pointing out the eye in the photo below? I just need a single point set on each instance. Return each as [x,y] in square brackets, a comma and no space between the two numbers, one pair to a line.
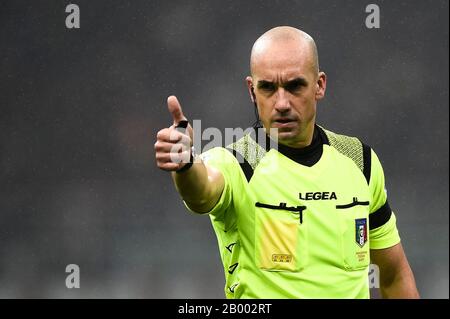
[294,86]
[266,86]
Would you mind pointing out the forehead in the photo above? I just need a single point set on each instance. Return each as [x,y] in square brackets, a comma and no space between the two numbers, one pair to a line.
[283,61]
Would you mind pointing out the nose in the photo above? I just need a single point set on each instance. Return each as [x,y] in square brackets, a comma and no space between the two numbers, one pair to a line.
[282,104]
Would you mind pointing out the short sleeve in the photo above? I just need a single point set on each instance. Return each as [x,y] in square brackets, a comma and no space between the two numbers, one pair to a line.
[222,160]
[382,221]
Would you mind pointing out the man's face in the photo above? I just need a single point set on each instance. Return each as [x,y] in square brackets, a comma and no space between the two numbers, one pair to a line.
[287,86]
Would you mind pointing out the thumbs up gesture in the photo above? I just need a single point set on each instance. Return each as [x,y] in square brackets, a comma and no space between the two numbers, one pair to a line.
[173,144]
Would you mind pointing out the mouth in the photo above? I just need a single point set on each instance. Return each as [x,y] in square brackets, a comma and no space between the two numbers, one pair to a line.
[284,122]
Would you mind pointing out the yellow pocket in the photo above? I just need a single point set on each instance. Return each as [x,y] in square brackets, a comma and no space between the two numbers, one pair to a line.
[354,226]
[280,240]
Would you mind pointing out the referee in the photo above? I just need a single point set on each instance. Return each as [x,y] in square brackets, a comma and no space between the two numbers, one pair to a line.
[303,218]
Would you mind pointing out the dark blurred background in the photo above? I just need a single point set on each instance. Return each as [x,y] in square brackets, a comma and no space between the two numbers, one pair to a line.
[80,108]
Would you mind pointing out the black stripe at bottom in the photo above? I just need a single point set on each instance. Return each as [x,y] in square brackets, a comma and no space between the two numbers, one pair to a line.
[245,166]
[380,217]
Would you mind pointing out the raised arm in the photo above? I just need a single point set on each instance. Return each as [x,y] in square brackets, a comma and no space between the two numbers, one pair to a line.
[396,277]
[200,186]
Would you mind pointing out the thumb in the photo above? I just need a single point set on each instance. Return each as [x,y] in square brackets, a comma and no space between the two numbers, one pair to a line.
[175,109]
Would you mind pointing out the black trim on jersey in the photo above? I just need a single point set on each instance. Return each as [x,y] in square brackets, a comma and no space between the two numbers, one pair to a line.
[322,135]
[380,217]
[231,288]
[307,156]
[281,206]
[232,268]
[245,166]
[255,136]
[354,203]
[367,160]
[230,247]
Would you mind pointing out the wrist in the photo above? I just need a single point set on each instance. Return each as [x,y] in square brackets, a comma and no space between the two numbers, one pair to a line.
[189,164]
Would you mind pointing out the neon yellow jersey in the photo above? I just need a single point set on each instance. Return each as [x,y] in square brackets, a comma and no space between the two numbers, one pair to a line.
[288,230]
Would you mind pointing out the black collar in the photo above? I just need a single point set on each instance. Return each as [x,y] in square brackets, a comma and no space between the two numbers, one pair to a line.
[307,156]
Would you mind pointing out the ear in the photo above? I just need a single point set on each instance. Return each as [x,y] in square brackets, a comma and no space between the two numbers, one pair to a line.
[321,86]
[249,81]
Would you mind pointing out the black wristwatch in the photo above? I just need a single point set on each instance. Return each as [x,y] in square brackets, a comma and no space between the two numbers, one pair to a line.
[181,127]
[189,164]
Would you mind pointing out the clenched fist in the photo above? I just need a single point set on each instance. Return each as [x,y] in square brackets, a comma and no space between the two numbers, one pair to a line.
[173,144]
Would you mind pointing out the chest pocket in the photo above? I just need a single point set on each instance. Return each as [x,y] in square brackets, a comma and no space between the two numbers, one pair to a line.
[280,238]
[354,232]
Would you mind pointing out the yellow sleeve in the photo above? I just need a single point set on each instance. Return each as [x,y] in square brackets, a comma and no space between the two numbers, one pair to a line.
[385,236]
[222,160]
[383,231]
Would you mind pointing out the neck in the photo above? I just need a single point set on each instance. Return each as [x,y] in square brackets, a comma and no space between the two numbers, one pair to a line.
[304,140]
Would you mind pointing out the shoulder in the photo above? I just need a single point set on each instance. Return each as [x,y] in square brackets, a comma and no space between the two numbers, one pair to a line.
[351,147]
[248,150]
[217,155]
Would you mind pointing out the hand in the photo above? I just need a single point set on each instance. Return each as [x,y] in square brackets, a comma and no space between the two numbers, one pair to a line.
[173,146]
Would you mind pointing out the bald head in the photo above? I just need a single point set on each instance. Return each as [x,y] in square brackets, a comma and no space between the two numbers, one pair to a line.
[284,36]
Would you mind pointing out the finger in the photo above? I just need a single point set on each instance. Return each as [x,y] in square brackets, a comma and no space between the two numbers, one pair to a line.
[175,109]
[170,135]
[179,137]
[163,147]
[169,166]
[162,158]
[163,135]
[181,157]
